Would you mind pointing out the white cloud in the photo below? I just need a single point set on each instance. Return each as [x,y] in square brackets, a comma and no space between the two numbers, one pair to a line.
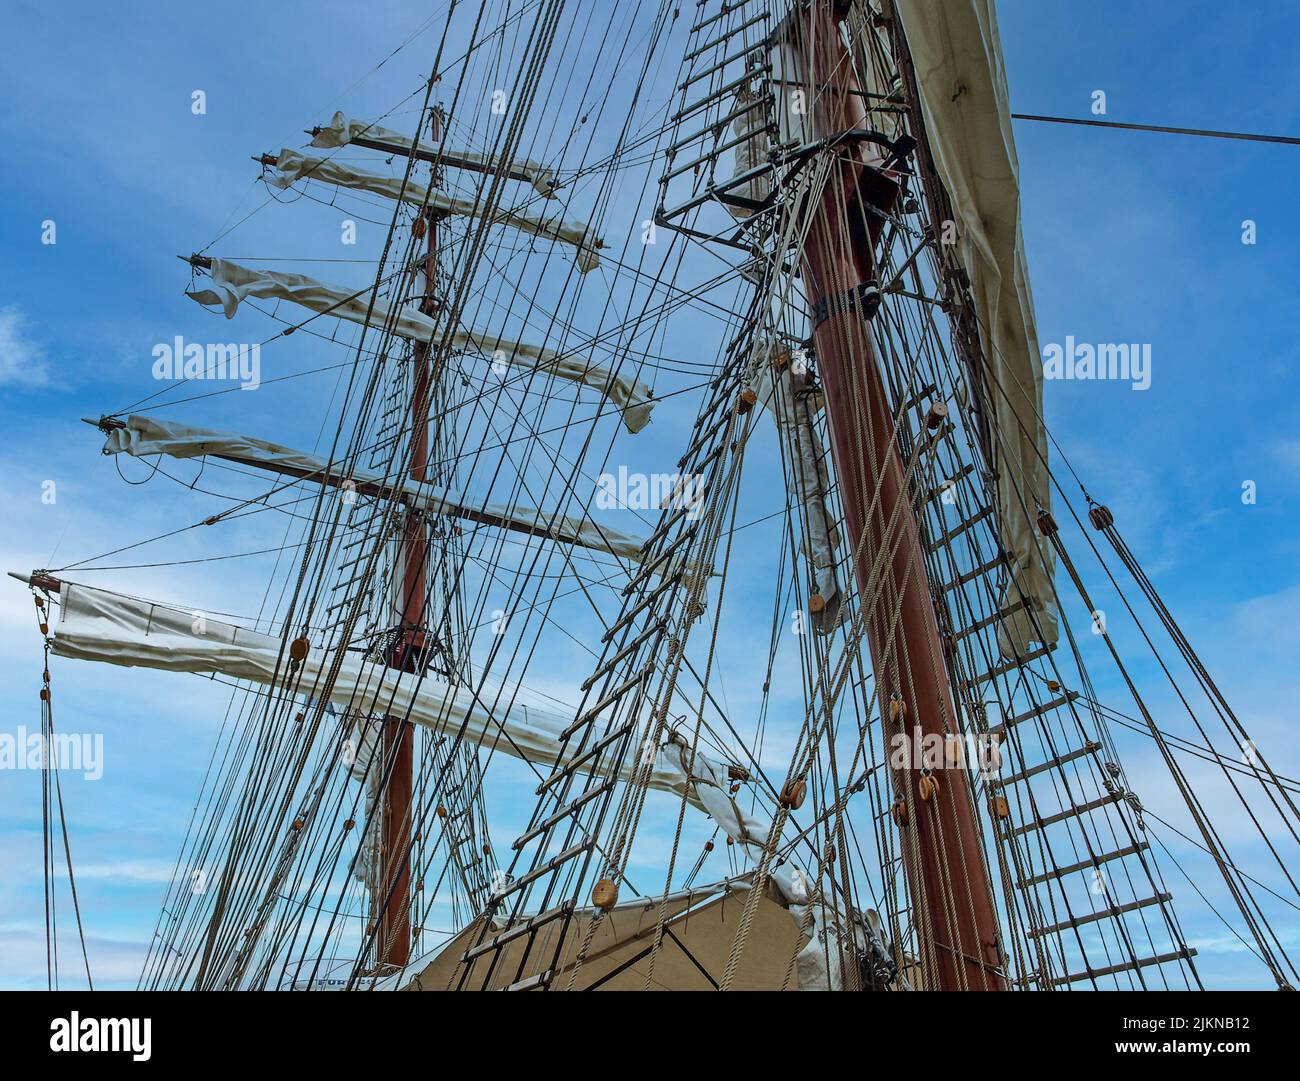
[22,361]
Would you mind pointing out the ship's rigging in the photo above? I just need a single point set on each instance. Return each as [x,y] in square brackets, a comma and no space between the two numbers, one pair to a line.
[442,546]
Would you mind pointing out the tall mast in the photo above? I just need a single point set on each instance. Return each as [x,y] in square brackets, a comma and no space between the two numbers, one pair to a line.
[952,900]
[410,650]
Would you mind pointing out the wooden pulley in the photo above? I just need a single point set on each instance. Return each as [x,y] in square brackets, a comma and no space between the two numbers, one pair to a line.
[731,840]
[1000,807]
[300,718]
[1101,517]
[45,694]
[1053,685]
[897,710]
[418,227]
[604,894]
[40,602]
[747,400]
[737,773]
[298,649]
[297,823]
[928,786]
[816,604]
[935,416]
[349,823]
[1046,523]
[794,793]
[487,850]
[708,846]
[899,813]
[735,787]
[441,811]
[830,854]
[45,628]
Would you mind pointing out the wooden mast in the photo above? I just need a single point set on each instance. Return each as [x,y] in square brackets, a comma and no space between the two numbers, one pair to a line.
[952,900]
[410,651]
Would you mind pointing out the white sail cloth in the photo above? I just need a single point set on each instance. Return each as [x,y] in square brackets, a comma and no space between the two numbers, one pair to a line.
[141,436]
[231,283]
[342,130]
[100,625]
[293,166]
[792,407]
[957,55]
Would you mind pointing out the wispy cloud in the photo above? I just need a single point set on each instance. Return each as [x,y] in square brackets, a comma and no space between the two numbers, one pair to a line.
[22,361]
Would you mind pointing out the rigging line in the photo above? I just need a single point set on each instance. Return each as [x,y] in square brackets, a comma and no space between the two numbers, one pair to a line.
[1289,139]
[1148,813]
[1054,480]
[1206,753]
[184,562]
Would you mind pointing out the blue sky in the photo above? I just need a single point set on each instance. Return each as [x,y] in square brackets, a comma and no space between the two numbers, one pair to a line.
[1130,237]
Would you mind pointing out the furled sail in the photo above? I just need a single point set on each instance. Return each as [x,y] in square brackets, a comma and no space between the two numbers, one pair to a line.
[140,436]
[782,392]
[957,56]
[231,283]
[342,131]
[101,625]
[293,166]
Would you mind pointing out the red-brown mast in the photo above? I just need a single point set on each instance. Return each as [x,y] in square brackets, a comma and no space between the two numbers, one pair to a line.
[394,941]
[952,901]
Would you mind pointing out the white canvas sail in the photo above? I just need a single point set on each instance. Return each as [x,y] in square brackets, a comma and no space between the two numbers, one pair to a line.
[231,283]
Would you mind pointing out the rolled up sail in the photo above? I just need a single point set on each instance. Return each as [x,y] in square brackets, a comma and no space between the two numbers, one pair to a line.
[793,405]
[231,283]
[342,131]
[101,625]
[140,436]
[294,166]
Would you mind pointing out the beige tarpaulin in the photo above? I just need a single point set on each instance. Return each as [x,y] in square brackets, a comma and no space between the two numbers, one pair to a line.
[700,931]
[958,60]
